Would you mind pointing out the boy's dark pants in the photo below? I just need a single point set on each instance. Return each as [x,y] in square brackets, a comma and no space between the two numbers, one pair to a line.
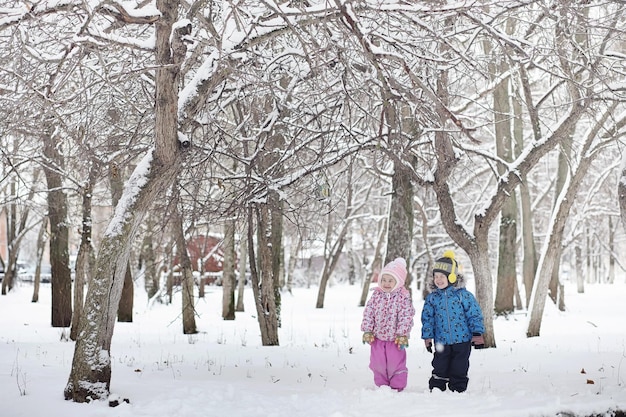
[450,367]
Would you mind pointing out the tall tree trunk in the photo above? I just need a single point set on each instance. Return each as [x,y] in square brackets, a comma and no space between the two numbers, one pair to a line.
[125,309]
[186,269]
[401,220]
[377,263]
[562,174]
[148,262]
[580,277]
[41,243]
[350,257]
[85,257]
[277,250]
[228,272]
[479,257]
[59,234]
[243,261]
[621,192]
[10,267]
[90,376]
[502,118]
[507,258]
[529,259]
[529,253]
[293,259]
[261,273]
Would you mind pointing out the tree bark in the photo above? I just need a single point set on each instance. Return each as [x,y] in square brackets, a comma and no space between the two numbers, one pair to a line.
[377,263]
[243,261]
[580,277]
[401,219]
[261,273]
[186,269]
[507,251]
[562,174]
[85,258]
[41,243]
[125,309]
[228,271]
[148,263]
[59,235]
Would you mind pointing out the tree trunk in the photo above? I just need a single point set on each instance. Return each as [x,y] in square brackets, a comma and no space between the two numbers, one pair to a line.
[10,267]
[59,235]
[580,277]
[401,220]
[148,264]
[186,269]
[243,261]
[502,119]
[529,253]
[507,259]
[125,309]
[611,275]
[529,260]
[293,258]
[228,272]
[277,252]
[261,273]
[621,192]
[85,257]
[90,377]
[479,257]
[377,263]
[562,174]
[41,243]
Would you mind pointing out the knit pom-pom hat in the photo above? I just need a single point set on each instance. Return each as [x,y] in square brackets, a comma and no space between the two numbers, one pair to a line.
[397,269]
[447,265]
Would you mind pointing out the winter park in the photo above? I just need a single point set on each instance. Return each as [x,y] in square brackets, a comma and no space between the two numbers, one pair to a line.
[312,208]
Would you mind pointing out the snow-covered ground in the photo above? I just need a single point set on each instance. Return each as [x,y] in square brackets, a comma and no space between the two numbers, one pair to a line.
[577,366]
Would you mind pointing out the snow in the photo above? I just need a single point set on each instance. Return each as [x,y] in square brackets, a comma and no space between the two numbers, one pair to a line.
[321,367]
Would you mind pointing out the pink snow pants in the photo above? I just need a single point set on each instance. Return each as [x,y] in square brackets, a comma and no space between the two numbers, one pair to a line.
[388,364]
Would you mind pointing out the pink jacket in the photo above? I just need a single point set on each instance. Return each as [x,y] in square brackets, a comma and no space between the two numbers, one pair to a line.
[388,315]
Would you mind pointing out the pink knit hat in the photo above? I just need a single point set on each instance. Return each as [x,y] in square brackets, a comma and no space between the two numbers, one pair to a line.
[397,269]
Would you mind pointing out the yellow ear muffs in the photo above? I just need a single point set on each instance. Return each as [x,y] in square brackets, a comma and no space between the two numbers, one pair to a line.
[452,276]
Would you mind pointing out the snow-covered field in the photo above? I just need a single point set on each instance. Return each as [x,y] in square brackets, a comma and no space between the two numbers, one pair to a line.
[577,366]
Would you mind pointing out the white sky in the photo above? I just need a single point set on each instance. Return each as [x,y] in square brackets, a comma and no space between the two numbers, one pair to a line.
[321,367]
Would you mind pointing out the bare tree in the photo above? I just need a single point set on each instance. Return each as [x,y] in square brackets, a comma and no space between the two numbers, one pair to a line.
[90,376]
[552,245]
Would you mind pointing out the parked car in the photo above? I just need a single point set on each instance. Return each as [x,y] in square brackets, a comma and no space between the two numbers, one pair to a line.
[21,267]
[45,275]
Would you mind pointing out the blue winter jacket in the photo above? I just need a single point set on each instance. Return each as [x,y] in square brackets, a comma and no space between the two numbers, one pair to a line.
[451,315]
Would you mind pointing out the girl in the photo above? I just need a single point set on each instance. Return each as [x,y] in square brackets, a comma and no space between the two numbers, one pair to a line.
[387,323]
